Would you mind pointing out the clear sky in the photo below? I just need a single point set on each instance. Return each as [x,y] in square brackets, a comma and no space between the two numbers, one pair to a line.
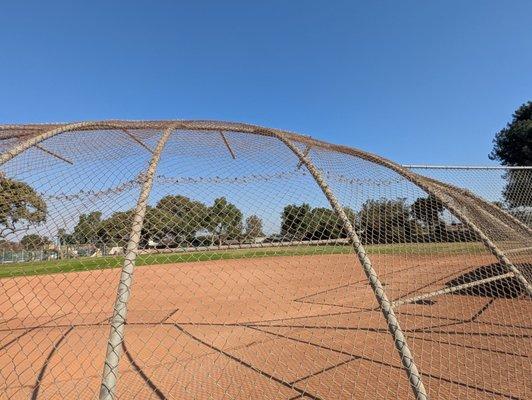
[415,81]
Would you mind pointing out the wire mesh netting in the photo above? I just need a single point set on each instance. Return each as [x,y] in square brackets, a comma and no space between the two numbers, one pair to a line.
[209,260]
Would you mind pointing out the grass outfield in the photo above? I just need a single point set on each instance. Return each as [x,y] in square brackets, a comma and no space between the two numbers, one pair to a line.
[87,263]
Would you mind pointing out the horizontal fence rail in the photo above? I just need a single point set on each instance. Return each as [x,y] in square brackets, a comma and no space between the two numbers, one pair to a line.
[466,167]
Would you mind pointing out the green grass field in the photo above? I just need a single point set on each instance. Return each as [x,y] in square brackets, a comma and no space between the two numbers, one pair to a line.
[87,263]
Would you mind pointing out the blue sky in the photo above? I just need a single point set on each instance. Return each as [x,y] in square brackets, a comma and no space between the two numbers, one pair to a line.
[415,81]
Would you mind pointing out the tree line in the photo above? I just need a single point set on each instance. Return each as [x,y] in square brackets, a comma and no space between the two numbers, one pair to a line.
[180,221]
[174,221]
[379,221]
[177,220]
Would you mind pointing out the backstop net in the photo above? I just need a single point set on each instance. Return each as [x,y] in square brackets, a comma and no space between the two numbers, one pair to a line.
[210,260]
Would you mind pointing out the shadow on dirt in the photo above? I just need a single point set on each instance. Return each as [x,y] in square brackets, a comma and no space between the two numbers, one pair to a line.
[506,288]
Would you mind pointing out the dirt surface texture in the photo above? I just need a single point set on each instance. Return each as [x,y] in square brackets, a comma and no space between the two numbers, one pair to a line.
[267,328]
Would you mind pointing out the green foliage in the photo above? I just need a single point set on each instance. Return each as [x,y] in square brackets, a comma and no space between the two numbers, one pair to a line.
[325,224]
[513,146]
[296,221]
[115,230]
[387,221]
[35,242]
[174,221]
[179,221]
[379,221]
[19,203]
[87,228]
[64,237]
[306,223]
[427,210]
[517,189]
[253,227]
[160,226]
[225,219]
[193,213]
[165,228]
[180,218]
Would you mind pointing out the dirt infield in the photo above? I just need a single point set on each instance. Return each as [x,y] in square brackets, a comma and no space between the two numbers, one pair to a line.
[269,328]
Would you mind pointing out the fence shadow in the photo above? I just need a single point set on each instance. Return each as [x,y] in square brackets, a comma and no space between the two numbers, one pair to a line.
[507,288]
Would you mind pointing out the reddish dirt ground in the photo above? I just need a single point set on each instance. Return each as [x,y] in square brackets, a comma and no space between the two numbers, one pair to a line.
[265,328]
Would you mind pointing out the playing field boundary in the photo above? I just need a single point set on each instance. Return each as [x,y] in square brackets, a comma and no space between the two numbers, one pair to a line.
[227,253]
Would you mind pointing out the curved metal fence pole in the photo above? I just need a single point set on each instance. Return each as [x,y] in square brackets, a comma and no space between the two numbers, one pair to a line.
[385,304]
[35,140]
[118,320]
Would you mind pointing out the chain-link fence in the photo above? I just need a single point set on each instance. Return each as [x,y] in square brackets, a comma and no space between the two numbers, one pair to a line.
[209,260]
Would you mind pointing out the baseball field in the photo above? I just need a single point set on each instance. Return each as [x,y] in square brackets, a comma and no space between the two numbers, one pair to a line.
[271,324]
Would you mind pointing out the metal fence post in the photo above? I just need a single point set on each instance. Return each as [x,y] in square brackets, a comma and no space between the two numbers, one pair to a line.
[118,320]
[386,306]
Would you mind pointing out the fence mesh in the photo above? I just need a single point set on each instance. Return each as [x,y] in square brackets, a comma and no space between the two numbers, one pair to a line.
[266,265]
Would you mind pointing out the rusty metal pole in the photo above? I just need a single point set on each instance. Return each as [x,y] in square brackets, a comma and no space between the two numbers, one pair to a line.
[386,306]
[118,320]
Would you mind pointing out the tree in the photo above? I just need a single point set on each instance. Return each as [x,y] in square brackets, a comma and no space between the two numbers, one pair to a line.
[164,228]
[186,216]
[296,221]
[34,242]
[387,221]
[517,189]
[64,238]
[19,203]
[512,146]
[9,245]
[87,228]
[306,223]
[427,210]
[115,230]
[172,221]
[326,224]
[225,220]
[253,227]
